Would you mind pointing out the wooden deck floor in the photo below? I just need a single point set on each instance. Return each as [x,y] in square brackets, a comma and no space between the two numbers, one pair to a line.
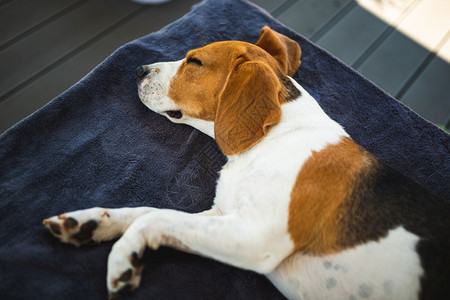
[401,45]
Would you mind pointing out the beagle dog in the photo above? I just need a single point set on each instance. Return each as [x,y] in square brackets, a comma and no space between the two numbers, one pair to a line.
[298,200]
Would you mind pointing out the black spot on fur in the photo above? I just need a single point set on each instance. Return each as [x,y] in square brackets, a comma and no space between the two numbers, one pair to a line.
[330,283]
[365,290]
[292,92]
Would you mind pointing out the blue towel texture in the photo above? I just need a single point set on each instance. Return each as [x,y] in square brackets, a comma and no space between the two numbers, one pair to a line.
[98,145]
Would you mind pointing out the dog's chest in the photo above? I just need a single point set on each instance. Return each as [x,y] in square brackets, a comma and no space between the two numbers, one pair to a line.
[250,189]
[259,182]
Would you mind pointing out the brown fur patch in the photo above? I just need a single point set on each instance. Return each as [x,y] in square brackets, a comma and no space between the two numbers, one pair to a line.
[236,85]
[248,107]
[324,183]
[197,89]
[286,51]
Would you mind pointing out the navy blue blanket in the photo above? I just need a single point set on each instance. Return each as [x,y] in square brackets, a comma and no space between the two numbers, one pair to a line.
[98,145]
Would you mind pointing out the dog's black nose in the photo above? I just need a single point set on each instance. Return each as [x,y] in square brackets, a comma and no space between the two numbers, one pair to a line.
[141,71]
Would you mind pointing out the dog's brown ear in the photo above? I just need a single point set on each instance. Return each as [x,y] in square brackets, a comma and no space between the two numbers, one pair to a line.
[247,107]
[286,51]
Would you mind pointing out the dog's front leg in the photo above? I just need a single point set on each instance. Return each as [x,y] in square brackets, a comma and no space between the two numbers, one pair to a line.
[228,239]
[96,224]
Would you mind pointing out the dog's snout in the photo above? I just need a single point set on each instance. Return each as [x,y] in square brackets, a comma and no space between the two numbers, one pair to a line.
[142,71]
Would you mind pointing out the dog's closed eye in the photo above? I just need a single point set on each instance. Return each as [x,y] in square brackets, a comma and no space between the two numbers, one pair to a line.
[195,61]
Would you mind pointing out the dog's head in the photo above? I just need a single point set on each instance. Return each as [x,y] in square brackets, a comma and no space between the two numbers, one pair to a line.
[232,91]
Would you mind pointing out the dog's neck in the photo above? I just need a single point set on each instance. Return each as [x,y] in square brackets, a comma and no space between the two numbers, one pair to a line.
[304,118]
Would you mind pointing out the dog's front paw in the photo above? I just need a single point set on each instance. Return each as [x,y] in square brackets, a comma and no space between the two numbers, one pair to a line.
[80,227]
[124,269]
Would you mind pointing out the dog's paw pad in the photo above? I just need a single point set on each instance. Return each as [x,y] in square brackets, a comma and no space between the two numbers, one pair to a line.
[70,223]
[123,291]
[69,231]
[78,227]
[127,280]
[135,260]
[84,235]
[55,229]
[126,275]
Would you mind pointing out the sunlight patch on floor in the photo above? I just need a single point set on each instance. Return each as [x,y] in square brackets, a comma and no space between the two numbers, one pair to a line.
[427,22]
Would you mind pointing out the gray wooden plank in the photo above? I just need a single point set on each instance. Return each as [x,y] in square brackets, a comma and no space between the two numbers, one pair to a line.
[393,63]
[307,16]
[352,35]
[30,13]
[430,93]
[268,5]
[51,84]
[52,42]
[361,30]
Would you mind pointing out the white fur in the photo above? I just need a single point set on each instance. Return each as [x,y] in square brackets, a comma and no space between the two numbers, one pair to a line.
[386,269]
[247,227]
[153,89]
